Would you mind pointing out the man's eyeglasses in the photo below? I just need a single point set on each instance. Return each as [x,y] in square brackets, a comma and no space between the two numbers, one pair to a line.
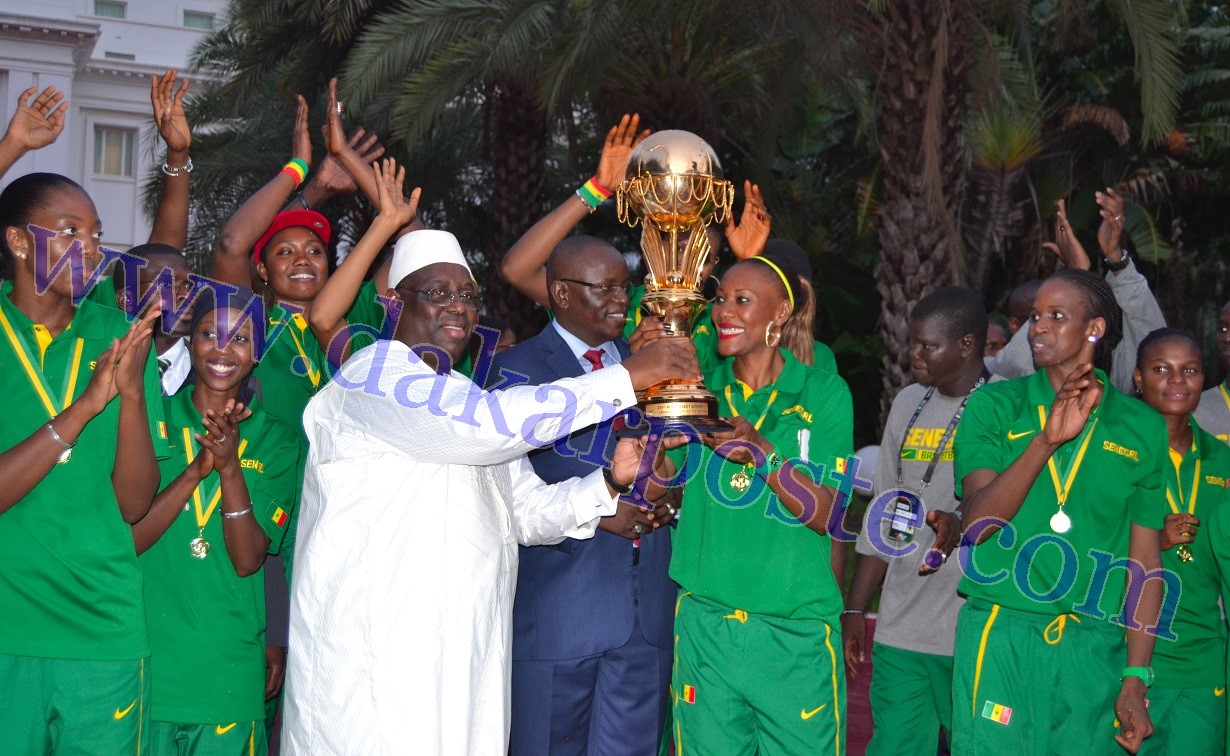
[603,290]
[443,298]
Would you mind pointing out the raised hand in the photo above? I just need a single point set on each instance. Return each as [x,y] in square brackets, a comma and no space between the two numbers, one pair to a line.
[169,115]
[390,181]
[131,359]
[747,239]
[37,122]
[620,141]
[335,135]
[332,177]
[1066,246]
[222,439]
[1110,233]
[101,389]
[1074,401]
[302,145]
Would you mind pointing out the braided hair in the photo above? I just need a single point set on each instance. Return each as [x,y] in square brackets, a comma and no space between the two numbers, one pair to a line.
[1100,302]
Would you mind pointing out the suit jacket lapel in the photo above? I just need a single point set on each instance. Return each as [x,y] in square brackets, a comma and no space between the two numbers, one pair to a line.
[557,356]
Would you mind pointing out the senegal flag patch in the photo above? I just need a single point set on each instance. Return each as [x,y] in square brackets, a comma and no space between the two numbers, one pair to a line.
[279,517]
[996,712]
[689,694]
[162,430]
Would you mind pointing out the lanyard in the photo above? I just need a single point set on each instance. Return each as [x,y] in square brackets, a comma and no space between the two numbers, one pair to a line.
[1074,463]
[203,514]
[313,374]
[734,412]
[948,431]
[35,374]
[1225,395]
[1194,490]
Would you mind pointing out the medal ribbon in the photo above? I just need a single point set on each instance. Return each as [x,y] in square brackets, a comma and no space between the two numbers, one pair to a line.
[759,422]
[35,374]
[735,412]
[313,374]
[202,516]
[1194,490]
[1074,464]
[1225,395]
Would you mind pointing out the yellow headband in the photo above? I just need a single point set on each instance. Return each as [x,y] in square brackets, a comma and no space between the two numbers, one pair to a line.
[781,274]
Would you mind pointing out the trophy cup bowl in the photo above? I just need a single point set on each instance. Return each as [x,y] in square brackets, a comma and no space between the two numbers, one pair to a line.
[674,188]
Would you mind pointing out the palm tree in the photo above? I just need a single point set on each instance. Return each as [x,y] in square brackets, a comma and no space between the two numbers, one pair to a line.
[926,53]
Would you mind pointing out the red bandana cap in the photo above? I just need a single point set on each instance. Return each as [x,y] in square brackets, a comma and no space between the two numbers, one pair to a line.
[309,219]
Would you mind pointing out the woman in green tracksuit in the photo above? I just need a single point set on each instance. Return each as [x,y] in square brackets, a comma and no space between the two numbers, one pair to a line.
[1187,701]
[1062,480]
[79,443]
[757,654]
[230,493]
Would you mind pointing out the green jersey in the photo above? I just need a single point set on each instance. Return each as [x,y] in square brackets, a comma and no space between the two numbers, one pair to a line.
[1117,476]
[742,548]
[70,587]
[207,624]
[1196,485]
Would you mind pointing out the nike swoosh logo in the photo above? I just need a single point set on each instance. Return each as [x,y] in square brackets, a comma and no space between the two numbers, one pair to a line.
[805,714]
[1218,691]
[224,730]
[120,714]
[1014,436]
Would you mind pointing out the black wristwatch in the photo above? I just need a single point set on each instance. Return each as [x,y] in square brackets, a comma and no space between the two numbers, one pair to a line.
[610,481]
[1116,267]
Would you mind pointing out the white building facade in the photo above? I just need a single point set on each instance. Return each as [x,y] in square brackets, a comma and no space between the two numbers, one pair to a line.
[101,53]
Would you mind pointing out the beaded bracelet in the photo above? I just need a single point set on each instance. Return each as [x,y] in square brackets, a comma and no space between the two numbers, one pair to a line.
[593,194]
[181,170]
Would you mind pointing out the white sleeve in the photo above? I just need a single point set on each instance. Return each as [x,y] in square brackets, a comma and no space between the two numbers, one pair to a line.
[387,392]
[1016,358]
[1141,316]
[545,513]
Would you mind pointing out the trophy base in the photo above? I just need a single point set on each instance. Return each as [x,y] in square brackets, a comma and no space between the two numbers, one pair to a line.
[677,408]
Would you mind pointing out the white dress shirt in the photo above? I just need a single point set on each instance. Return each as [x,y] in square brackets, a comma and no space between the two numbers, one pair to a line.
[610,355]
[177,372]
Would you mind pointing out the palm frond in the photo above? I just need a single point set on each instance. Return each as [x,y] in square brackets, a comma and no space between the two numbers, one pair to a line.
[1153,28]
[1102,117]
[1147,238]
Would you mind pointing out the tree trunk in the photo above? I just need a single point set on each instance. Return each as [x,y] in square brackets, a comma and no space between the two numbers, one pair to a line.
[517,140]
[921,106]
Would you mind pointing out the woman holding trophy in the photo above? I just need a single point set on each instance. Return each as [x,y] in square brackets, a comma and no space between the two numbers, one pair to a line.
[757,666]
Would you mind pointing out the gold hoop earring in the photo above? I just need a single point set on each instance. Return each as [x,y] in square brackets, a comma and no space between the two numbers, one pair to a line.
[772,338]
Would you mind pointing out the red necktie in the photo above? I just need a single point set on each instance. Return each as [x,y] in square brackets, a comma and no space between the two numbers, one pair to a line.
[595,359]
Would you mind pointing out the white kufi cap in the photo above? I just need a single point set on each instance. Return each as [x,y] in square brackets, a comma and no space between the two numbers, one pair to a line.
[418,249]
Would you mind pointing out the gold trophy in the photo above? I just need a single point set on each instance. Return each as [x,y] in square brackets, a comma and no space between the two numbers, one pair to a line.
[674,189]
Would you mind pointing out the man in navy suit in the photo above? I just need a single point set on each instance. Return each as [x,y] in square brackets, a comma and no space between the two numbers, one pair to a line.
[593,621]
